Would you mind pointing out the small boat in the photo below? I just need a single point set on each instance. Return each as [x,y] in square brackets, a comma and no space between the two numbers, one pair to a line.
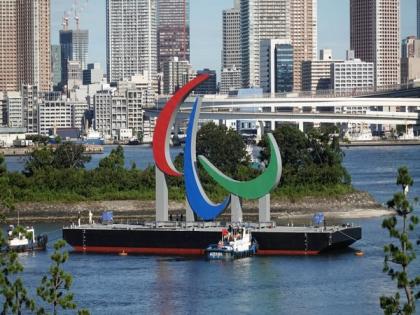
[235,243]
[24,240]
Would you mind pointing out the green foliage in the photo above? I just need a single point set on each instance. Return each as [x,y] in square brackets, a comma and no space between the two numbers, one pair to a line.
[70,155]
[223,147]
[115,160]
[66,156]
[309,159]
[399,254]
[14,293]
[6,196]
[38,139]
[55,287]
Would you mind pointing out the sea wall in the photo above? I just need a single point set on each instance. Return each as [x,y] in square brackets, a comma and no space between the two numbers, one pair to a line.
[353,205]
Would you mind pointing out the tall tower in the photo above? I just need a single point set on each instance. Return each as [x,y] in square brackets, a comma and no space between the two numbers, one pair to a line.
[131,39]
[74,47]
[375,37]
[25,44]
[231,50]
[260,19]
[173,27]
[303,30]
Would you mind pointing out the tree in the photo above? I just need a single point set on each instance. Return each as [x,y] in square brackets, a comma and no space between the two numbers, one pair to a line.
[38,139]
[15,295]
[70,155]
[115,160]
[314,158]
[223,147]
[55,288]
[6,196]
[399,254]
[39,159]
[66,156]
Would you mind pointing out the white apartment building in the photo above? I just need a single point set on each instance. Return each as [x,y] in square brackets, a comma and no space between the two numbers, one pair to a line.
[230,80]
[78,111]
[14,113]
[352,76]
[260,19]
[30,102]
[316,75]
[131,39]
[54,114]
[102,103]
[119,111]
[176,74]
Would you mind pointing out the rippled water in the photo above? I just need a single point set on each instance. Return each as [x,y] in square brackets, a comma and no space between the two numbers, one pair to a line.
[340,283]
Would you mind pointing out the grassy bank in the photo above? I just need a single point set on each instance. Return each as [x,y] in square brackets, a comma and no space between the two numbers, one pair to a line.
[175,193]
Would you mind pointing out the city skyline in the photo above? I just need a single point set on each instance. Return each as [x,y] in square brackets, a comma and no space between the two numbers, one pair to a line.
[206,29]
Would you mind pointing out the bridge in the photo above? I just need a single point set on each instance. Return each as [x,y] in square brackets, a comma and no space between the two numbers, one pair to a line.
[353,114]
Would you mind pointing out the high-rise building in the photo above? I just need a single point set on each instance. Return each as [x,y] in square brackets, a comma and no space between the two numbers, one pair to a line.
[375,37]
[418,18]
[25,44]
[209,86]
[231,49]
[176,73]
[276,66]
[3,109]
[230,80]
[93,74]
[74,47]
[30,104]
[260,19]
[173,27]
[410,60]
[74,74]
[131,39]
[56,64]
[303,34]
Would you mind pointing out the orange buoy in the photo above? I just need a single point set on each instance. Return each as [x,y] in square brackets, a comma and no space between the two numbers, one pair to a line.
[359,253]
[123,253]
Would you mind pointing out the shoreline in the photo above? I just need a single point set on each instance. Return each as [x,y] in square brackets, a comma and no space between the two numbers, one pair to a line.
[355,205]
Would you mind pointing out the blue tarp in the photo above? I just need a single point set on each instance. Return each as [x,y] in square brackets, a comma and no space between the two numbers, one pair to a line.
[107,216]
[318,218]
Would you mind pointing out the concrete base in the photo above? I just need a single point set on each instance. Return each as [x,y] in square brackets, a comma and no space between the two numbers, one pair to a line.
[264,209]
[161,196]
[189,217]
[236,209]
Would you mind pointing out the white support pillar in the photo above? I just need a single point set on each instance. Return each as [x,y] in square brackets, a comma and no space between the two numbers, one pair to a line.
[301,126]
[264,209]
[189,217]
[236,209]
[175,139]
[260,130]
[161,196]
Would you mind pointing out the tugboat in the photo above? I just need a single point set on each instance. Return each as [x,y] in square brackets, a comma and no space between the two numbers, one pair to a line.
[23,240]
[235,243]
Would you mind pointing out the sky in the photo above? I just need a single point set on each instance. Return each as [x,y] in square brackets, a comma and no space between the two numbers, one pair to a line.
[206,27]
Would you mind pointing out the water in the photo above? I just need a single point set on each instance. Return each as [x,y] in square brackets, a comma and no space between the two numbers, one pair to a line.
[328,284]
[140,155]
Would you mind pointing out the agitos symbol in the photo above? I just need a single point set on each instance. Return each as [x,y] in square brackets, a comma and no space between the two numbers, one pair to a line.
[197,198]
